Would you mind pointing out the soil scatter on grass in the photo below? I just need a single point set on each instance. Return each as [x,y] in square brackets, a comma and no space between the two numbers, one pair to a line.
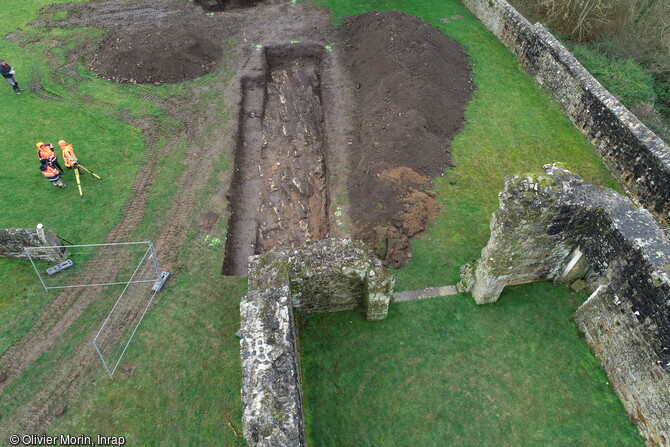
[211,138]
[412,83]
[156,55]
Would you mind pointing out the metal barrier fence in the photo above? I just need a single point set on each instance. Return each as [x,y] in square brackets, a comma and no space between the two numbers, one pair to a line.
[98,265]
[131,266]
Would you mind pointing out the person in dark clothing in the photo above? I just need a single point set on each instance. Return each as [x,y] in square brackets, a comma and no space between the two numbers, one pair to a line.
[52,175]
[46,154]
[7,72]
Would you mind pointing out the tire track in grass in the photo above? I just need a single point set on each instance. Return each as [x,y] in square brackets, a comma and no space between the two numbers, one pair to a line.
[65,380]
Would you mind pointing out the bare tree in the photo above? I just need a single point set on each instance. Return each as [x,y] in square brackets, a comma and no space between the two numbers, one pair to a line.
[581,20]
[644,21]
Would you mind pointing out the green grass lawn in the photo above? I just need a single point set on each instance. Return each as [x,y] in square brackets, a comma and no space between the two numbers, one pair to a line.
[188,390]
[445,372]
[85,113]
[21,300]
[28,198]
[185,386]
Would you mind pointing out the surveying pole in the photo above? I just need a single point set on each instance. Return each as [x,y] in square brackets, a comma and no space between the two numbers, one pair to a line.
[76,176]
[90,172]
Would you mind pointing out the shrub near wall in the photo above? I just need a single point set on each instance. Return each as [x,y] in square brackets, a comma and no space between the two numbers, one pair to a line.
[638,158]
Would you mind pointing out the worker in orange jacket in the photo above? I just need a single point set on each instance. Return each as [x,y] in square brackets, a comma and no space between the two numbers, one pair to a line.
[46,154]
[69,157]
[52,175]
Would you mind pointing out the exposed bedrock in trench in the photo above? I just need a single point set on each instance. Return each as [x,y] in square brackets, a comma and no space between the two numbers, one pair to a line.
[225,5]
[279,192]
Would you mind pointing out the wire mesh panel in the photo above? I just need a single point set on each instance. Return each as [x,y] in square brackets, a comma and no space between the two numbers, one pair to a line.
[131,266]
[98,264]
[117,331]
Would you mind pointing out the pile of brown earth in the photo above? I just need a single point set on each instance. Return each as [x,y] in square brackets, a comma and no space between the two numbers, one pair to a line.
[412,84]
[156,55]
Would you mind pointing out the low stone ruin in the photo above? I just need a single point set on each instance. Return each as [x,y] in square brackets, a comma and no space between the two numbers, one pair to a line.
[554,227]
[14,240]
[324,276]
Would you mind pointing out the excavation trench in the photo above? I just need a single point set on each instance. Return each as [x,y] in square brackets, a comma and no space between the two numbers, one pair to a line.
[225,5]
[279,192]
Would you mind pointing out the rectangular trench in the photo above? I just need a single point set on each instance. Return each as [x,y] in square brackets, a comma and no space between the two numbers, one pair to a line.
[279,192]
[226,5]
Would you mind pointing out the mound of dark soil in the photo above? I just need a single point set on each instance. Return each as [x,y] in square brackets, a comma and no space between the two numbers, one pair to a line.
[412,84]
[156,55]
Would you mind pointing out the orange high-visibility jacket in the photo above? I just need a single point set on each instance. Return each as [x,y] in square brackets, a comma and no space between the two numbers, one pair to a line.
[68,155]
[46,153]
[51,173]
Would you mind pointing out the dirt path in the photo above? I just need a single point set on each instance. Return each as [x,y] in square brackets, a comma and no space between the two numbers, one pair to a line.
[63,312]
[67,306]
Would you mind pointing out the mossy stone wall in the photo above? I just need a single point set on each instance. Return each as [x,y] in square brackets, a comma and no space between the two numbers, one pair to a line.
[542,222]
[14,240]
[324,276]
[636,156]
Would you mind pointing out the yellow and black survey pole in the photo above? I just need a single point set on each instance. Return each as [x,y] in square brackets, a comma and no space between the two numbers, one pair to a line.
[76,167]
[76,175]
[90,172]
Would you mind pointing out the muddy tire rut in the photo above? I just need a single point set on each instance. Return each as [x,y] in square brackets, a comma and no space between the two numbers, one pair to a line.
[64,311]
[294,144]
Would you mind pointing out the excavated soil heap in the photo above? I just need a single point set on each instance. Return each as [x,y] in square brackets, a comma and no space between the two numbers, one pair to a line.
[156,55]
[412,84]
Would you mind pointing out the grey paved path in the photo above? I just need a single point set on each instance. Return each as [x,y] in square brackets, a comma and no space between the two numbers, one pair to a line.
[429,292]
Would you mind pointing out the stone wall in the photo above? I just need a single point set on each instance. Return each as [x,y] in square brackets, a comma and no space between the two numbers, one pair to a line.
[638,158]
[324,276]
[555,227]
[329,275]
[14,240]
[271,391]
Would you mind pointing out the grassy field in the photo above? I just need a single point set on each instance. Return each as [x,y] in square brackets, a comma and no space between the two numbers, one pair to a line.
[445,372]
[181,377]
[28,198]
[186,386]
[189,386]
